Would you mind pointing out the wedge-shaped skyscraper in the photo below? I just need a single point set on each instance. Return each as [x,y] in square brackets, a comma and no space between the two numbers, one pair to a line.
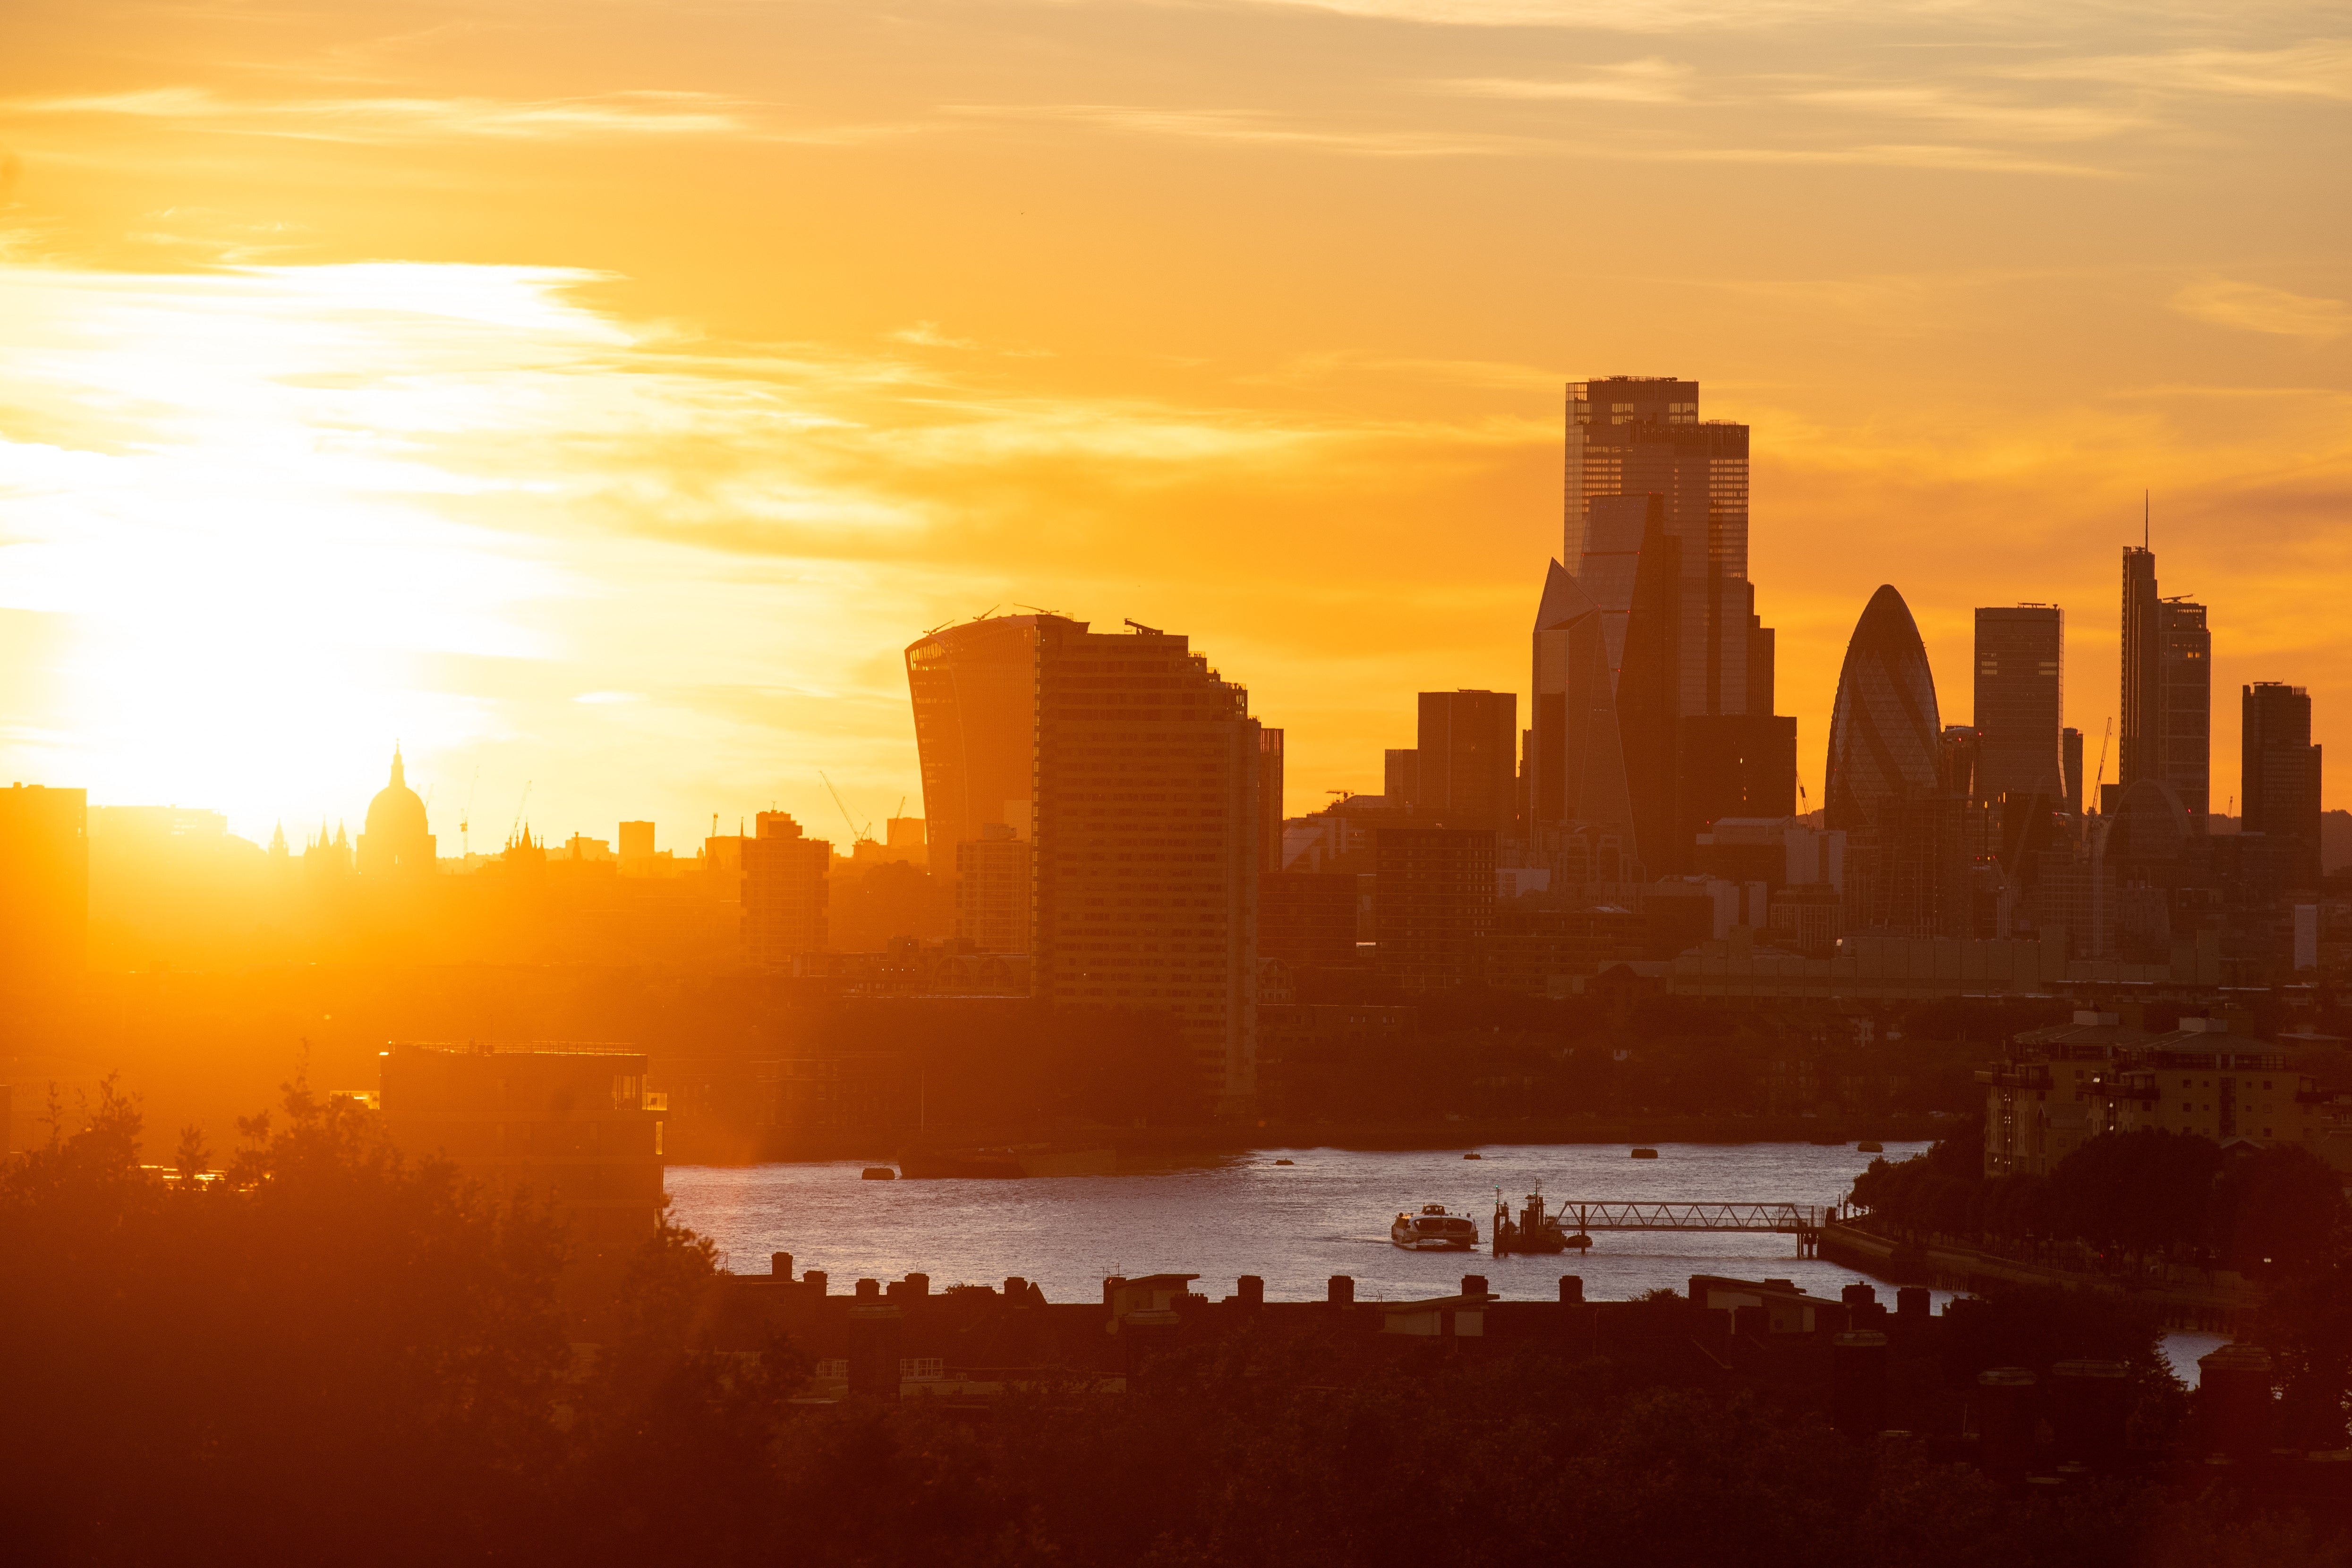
[1606,663]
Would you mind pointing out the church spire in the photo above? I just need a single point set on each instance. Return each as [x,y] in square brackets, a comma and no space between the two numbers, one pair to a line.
[399,773]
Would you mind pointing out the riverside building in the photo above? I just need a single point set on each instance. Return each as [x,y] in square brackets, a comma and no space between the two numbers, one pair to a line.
[1133,772]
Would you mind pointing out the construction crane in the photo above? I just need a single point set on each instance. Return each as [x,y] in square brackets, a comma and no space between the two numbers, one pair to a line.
[855,833]
[2102,776]
[465,817]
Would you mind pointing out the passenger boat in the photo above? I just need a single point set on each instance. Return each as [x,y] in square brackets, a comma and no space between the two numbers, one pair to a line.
[1433,1230]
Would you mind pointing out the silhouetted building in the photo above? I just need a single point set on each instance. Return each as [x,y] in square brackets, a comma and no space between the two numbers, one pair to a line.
[783,891]
[905,839]
[2021,701]
[1631,570]
[1734,765]
[1146,767]
[993,890]
[1269,799]
[2070,751]
[1467,758]
[1434,904]
[2168,689]
[1400,775]
[44,896]
[569,1124]
[1576,759]
[1307,919]
[1886,786]
[636,848]
[2280,773]
[1642,434]
[395,842]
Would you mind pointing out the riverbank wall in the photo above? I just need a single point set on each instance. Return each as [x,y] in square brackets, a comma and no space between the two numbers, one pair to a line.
[2225,1304]
[1221,1138]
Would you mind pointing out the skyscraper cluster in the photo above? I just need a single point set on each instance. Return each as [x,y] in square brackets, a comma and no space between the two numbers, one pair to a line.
[1109,807]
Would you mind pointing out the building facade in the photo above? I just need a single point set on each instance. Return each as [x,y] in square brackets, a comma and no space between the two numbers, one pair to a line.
[2020,662]
[1642,435]
[2279,770]
[2166,660]
[784,892]
[1466,758]
[1433,905]
[1884,785]
[1139,770]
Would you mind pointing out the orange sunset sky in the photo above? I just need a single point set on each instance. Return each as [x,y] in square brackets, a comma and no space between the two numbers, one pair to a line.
[602,392]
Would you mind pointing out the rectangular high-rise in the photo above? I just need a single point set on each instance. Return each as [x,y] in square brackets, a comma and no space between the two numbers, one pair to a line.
[1636,435]
[2168,689]
[784,892]
[1467,758]
[1136,770]
[2280,774]
[2021,701]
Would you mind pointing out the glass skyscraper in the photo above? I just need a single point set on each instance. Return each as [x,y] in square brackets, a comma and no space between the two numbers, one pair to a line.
[2168,689]
[1629,436]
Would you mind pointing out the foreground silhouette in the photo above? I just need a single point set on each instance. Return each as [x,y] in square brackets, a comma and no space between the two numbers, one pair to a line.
[331,1352]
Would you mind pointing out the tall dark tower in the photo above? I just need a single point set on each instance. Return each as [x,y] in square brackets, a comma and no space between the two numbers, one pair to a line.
[2280,771]
[2019,701]
[1636,435]
[2142,702]
[2168,689]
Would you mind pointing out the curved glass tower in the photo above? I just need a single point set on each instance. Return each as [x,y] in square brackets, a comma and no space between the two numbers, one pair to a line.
[1906,871]
[1883,731]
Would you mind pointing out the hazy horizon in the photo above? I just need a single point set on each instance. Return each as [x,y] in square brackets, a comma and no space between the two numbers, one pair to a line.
[604,396]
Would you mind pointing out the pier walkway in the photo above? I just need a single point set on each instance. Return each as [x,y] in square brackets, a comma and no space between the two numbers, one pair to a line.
[1582,1216]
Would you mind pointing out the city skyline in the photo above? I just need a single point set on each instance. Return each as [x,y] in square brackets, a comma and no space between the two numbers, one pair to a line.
[605,408]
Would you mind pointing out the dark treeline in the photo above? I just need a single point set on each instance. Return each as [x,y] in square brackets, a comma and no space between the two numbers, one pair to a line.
[2131,1200]
[333,1354]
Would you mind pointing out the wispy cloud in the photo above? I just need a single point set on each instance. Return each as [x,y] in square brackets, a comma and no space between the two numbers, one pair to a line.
[1984,116]
[1651,81]
[1257,128]
[2251,307]
[391,119]
[2314,68]
[1954,157]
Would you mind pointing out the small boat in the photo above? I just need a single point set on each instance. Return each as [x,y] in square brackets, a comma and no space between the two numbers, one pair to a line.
[1871,1146]
[878,1173]
[1645,1154]
[1433,1230]
[1286,1161]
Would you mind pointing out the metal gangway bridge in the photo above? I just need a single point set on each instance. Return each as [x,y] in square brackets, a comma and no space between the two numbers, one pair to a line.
[1575,1220]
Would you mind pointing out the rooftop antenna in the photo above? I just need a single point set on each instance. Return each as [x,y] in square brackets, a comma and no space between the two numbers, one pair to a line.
[2143,520]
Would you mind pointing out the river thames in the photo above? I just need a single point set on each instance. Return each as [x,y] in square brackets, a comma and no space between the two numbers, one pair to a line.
[1293,1226]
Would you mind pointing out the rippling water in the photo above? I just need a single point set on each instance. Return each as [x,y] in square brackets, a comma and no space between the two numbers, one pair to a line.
[1295,1226]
